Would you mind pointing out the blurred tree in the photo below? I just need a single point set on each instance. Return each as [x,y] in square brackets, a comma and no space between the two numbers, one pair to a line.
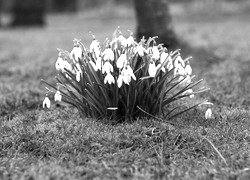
[28,12]
[153,19]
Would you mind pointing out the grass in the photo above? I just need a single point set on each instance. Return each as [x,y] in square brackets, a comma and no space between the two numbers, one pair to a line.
[51,144]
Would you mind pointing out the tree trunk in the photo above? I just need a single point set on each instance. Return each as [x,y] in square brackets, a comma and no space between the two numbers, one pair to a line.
[28,12]
[153,19]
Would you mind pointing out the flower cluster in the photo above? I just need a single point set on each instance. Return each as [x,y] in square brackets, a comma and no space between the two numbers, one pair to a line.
[114,78]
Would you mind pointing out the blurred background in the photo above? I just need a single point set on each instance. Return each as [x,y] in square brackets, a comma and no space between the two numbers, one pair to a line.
[215,33]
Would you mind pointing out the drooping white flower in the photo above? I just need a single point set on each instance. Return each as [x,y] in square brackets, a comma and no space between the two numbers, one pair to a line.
[108,55]
[208,113]
[59,64]
[95,48]
[99,63]
[120,80]
[179,70]
[58,96]
[178,61]
[130,40]
[140,50]
[155,53]
[46,102]
[78,75]
[128,73]
[109,78]
[188,70]
[122,40]
[67,66]
[107,67]
[163,57]
[76,53]
[121,61]
[152,69]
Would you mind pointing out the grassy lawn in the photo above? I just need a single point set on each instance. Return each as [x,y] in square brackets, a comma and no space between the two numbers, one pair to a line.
[37,143]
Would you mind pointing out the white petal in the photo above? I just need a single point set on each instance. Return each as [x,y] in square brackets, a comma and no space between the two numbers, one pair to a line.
[120,61]
[156,54]
[208,113]
[152,69]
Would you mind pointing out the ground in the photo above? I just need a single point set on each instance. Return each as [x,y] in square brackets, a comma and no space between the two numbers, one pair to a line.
[56,143]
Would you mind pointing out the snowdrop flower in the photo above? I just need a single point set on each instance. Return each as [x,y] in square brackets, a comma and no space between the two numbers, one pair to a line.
[179,70]
[120,61]
[108,54]
[67,66]
[178,61]
[140,50]
[208,113]
[99,63]
[188,69]
[109,78]
[120,81]
[156,53]
[46,102]
[130,40]
[58,96]
[76,53]
[169,65]
[127,74]
[152,69]
[59,64]
[95,48]
[107,67]
[122,40]
[163,57]
[78,75]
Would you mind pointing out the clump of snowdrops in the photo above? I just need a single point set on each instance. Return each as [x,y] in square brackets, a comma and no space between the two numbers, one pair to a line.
[124,79]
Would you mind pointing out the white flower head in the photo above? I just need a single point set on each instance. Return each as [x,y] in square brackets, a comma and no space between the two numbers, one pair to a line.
[163,57]
[78,75]
[76,53]
[109,78]
[67,66]
[120,80]
[208,113]
[95,48]
[108,55]
[121,61]
[152,69]
[155,53]
[99,63]
[107,67]
[178,61]
[46,102]
[58,96]
[188,70]
[122,40]
[59,64]
[140,50]
[130,40]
